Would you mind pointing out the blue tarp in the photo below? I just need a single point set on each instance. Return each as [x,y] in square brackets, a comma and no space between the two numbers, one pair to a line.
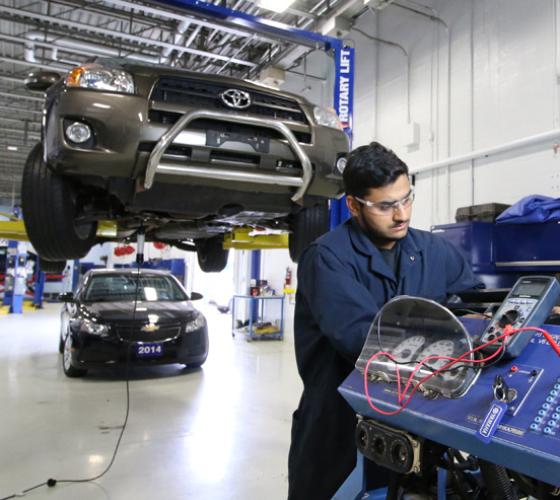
[531,209]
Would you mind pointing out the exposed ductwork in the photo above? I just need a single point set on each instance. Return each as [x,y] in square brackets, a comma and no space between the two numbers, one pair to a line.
[134,39]
[76,46]
[178,39]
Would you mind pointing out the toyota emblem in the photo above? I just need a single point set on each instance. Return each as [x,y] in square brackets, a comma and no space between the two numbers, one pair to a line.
[234,98]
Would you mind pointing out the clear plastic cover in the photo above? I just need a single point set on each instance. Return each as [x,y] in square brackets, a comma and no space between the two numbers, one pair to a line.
[411,329]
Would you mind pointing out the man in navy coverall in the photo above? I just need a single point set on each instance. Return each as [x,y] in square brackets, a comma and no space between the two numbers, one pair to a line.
[344,278]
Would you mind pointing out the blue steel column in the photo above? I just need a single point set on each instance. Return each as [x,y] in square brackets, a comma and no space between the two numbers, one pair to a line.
[40,279]
[75,274]
[344,107]
[10,273]
[256,275]
[15,284]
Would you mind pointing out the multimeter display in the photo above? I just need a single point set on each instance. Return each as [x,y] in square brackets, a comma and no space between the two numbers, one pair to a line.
[529,289]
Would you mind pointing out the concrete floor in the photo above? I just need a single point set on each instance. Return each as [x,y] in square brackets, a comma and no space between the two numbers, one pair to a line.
[218,432]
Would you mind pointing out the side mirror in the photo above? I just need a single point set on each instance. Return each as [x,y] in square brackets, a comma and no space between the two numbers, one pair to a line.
[196,296]
[41,80]
[66,297]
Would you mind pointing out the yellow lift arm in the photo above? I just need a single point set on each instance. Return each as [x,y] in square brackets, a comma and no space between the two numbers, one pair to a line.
[240,238]
[13,230]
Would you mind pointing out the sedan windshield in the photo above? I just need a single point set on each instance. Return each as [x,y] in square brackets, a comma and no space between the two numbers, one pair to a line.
[115,287]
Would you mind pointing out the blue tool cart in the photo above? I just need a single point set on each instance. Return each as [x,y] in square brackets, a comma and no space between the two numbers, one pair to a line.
[264,316]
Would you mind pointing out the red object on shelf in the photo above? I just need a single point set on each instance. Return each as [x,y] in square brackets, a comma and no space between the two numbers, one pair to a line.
[159,245]
[123,250]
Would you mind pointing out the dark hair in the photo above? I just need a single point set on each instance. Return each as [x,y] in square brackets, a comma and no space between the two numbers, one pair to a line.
[371,166]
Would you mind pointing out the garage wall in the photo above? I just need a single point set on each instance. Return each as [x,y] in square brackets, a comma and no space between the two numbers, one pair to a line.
[488,78]
[501,85]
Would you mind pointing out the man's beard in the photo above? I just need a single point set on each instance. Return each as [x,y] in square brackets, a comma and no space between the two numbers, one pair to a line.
[377,237]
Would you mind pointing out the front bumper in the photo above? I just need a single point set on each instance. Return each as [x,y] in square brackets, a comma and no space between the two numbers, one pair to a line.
[92,351]
[128,144]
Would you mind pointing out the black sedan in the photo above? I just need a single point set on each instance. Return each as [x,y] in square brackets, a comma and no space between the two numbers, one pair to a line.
[120,315]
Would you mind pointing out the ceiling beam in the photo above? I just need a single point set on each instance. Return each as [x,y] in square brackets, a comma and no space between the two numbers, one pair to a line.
[57,21]
[20,96]
[21,62]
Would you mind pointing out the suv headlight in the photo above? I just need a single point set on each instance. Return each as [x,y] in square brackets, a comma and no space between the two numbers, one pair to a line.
[93,328]
[194,324]
[97,77]
[326,117]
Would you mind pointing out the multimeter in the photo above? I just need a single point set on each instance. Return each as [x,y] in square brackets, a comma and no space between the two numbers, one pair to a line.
[528,304]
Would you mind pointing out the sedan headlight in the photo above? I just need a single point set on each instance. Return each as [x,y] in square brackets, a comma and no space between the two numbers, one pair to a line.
[93,328]
[97,77]
[197,322]
[326,117]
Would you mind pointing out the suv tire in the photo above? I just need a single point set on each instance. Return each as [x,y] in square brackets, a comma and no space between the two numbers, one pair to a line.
[49,212]
[307,225]
[52,266]
[212,258]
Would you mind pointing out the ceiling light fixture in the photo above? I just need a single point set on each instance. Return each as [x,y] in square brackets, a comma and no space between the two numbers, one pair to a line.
[12,148]
[275,5]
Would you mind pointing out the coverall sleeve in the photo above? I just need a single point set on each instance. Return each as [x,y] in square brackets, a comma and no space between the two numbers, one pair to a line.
[460,276]
[342,307]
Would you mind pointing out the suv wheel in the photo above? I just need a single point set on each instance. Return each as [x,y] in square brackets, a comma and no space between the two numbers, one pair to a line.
[49,211]
[52,266]
[307,225]
[212,258]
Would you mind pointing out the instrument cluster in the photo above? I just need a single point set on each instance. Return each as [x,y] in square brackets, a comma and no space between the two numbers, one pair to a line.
[421,337]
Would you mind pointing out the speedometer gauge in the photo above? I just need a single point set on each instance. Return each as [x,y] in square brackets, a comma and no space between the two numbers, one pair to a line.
[443,348]
[406,351]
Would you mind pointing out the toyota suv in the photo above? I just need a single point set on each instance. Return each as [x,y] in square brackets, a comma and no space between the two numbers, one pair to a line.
[185,157]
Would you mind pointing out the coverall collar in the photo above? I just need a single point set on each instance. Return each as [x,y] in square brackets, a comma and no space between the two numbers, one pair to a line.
[408,252]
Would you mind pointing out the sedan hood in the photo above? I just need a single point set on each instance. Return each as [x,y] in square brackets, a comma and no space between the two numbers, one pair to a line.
[123,311]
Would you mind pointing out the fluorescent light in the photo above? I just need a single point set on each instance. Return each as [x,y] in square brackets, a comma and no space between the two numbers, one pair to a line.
[12,148]
[275,5]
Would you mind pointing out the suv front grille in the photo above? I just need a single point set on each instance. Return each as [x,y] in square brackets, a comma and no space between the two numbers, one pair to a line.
[169,118]
[133,332]
[205,95]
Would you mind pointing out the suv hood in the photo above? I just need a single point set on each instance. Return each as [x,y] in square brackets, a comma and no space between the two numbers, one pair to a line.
[156,71]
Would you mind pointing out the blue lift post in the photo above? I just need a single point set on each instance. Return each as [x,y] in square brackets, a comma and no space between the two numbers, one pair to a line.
[11,253]
[40,279]
[344,107]
[255,275]
[15,283]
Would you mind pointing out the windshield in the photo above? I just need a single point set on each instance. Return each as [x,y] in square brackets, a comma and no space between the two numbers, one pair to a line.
[118,287]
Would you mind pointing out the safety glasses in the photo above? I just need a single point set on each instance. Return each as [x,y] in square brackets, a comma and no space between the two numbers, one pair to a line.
[387,207]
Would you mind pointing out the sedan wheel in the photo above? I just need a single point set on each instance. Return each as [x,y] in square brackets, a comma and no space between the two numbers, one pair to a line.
[69,370]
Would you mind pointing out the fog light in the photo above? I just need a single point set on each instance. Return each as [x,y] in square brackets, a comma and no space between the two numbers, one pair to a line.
[78,132]
[341,164]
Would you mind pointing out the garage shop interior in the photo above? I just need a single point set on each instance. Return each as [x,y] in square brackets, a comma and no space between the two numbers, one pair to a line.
[290,249]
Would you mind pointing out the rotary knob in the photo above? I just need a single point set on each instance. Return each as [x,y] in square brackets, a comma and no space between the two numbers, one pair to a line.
[508,318]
